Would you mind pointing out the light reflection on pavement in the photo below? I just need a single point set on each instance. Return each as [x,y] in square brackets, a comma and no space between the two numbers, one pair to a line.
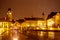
[14,34]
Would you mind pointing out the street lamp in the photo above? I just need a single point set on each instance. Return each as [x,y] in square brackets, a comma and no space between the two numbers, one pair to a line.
[15,38]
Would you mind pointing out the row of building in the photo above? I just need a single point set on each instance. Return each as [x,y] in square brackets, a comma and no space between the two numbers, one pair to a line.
[6,21]
[52,21]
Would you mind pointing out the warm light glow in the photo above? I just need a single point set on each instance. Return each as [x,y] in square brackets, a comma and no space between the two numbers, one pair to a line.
[1,30]
[18,25]
[33,25]
[37,28]
[5,24]
[0,23]
[50,22]
[15,38]
[51,35]
[28,25]
[58,28]
[10,13]
[57,16]
[51,28]
[12,24]
[42,24]
[42,33]
[43,28]
[7,30]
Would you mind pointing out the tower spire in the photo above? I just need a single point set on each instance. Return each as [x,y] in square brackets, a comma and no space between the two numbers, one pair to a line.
[43,15]
[9,9]
[9,14]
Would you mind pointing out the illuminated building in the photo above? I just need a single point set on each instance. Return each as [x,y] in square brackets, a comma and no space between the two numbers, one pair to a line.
[4,25]
[54,19]
[9,14]
[34,23]
[5,22]
[53,23]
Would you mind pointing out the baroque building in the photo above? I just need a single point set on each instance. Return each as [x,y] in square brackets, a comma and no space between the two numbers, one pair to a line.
[5,22]
[53,19]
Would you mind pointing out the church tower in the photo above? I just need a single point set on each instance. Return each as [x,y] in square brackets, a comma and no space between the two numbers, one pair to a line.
[9,14]
[43,15]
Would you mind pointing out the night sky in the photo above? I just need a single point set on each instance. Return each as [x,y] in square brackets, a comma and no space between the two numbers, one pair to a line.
[28,8]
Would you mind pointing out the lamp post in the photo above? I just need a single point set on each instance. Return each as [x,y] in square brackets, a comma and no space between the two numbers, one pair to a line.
[46,29]
[54,20]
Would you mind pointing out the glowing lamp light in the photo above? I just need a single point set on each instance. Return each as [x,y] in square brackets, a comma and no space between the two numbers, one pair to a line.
[0,23]
[1,30]
[43,28]
[28,25]
[41,33]
[11,24]
[33,25]
[58,28]
[10,13]
[51,28]
[41,24]
[37,28]
[50,23]
[15,38]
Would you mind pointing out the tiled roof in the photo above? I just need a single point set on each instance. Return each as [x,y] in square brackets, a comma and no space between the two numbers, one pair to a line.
[51,15]
[34,18]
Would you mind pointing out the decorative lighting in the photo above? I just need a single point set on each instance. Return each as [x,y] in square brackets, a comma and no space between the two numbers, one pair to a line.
[15,38]
[51,28]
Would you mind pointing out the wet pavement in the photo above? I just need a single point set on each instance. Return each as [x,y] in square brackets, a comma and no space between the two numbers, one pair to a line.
[29,35]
